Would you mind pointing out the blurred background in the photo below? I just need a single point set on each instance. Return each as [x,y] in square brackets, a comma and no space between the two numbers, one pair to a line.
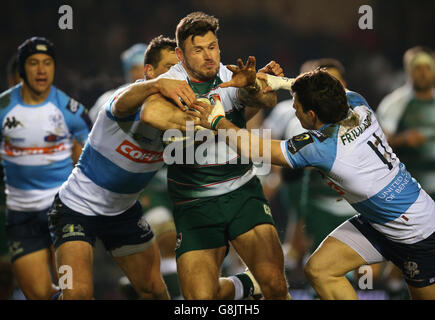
[287,31]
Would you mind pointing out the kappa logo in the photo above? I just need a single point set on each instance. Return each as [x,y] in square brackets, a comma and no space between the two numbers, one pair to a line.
[11,123]
[136,154]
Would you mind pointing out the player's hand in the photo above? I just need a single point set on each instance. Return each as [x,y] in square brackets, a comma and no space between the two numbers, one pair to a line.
[209,115]
[243,75]
[274,83]
[176,90]
[272,68]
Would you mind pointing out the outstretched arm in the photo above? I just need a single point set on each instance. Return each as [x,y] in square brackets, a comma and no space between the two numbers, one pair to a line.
[247,144]
[251,90]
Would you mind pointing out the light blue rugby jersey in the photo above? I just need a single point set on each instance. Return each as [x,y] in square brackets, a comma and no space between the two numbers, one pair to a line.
[358,163]
[119,159]
[36,146]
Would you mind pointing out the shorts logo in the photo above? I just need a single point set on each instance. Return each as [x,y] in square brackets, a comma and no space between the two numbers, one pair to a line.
[267,209]
[136,154]
[179,239]
[15,248]
[71,230]
[411,269]
[144,225]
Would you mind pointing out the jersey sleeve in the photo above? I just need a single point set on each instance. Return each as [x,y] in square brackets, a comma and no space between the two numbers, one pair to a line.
[76,117]
[310,149]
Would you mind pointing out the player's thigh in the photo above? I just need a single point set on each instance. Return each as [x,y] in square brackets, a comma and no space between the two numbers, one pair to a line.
[198,272]
[142,268]
[76,257]
[33,273]
[425,293]
[260,247]
[345,249]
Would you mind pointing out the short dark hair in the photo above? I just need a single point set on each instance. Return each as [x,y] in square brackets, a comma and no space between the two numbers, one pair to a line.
[153,52]
[195,24]
[412,52]
[323,63]
[319,91]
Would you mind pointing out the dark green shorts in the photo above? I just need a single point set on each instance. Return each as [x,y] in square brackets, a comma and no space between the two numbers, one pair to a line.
[212,222]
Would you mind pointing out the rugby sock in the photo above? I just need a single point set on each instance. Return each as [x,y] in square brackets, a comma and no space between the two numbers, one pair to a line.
[247,285]
[56,295]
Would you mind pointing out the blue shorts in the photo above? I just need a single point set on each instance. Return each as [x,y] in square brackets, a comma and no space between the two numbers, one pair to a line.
[416,261]
[122,235]
[26,232]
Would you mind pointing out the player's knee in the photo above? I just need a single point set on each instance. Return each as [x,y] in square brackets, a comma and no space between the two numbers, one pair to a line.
[81,293]
[38,292]
[200,295]
[274,285]
[313,269]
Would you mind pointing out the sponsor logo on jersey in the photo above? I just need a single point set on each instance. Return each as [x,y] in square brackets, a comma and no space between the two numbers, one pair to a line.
[298,142]
[14,151]
[136,154]
[11,123]
[54,138]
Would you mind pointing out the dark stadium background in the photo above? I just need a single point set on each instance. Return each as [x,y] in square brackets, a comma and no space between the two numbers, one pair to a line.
[288,31]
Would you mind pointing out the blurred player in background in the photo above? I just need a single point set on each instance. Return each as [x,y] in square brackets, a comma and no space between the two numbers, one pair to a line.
[407,116]
[133,67]
[6,273]
[37,157]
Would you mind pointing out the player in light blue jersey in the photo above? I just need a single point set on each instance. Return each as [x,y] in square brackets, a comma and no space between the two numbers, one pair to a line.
[42,130]
[100,197]
[345,143]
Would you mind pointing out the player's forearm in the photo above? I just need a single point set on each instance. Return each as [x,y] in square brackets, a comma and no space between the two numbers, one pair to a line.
[255,97]
[162,114]
[132,98]
[251,146]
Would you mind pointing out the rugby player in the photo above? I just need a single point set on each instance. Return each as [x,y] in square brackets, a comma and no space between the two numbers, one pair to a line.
[345,143]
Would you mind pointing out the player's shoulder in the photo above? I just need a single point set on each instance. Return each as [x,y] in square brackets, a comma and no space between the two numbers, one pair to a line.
[355,99]
[312,138]
[176,72]
[8,97]
[64,102]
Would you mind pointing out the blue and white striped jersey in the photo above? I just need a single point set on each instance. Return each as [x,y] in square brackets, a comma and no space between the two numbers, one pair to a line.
[36,146]
[119,159]
[358,163]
